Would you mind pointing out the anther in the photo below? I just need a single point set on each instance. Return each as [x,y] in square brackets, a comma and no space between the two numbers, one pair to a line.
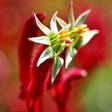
[81,36]
[65,35]
[65,39]
[66,45]
[81,28]
[86,29]
[63,31]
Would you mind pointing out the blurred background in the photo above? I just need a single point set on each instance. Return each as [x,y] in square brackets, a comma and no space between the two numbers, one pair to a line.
[95,57]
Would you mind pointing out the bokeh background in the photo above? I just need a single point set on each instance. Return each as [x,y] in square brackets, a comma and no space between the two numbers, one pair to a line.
[95,57]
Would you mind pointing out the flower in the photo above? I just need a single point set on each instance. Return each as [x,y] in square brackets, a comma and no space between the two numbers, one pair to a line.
[60,92]
[25,53]
[73,35]
[47,65]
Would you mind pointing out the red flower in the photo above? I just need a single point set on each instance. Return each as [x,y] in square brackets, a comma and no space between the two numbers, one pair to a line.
[61,90]
[25,53]
[35,80]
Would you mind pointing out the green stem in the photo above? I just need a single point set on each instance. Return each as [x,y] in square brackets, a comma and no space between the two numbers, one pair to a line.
[75,40]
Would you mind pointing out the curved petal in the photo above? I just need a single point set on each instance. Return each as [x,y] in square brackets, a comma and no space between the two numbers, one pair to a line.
[73,74]
[63,88]
[61,22]
[38,75]
[53,24]
[71,18]
[43,28]
[25,49]
[81,19]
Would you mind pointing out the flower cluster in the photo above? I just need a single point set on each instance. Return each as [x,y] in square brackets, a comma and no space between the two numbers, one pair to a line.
[71,35]
[58,47]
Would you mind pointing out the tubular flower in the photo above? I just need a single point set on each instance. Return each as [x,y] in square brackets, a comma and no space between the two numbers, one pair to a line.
[71,35]
[25,53]
[58,47]
[60,92]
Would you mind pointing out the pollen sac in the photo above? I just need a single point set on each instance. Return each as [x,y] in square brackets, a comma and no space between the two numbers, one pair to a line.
[64,36]
[81,37]
[63,31]
[82,29]
[66,45]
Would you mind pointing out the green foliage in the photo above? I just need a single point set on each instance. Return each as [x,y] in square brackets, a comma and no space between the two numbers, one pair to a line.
[98,90]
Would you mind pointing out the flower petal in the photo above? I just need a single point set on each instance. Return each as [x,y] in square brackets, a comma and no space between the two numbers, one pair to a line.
[63,88]
[44,29]
[53,24]
[46,54]
[74,73]
[61,22]
[38,76]
[25,49]
[65,27]
[81,19]
[88,36]
[70,53]
[71,19]
[58,62]
[42,39]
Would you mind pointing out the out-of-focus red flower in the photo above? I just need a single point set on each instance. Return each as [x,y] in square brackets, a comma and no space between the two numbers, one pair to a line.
[5,68]
[60,92]
[14,103]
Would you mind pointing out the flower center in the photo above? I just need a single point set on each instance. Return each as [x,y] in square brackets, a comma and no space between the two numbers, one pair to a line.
[82,29]
[64,36]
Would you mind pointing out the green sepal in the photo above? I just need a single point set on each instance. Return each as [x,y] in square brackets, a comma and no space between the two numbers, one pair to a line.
[70,53]
[88,36]
[46,54]
[58,63]
[42,40]
[61,22]
[81,19]
[71,19]
[53,24]
[43,28]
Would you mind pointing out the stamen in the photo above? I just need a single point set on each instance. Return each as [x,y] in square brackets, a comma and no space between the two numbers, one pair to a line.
[66,45]
[81,28]
[86,29]
[81,36]
[65,39]
[65,35]
[63,31]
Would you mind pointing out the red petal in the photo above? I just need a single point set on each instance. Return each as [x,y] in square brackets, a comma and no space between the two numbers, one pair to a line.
[72,74]
[38,75]
[25,53]
[25,49]
[62,90]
